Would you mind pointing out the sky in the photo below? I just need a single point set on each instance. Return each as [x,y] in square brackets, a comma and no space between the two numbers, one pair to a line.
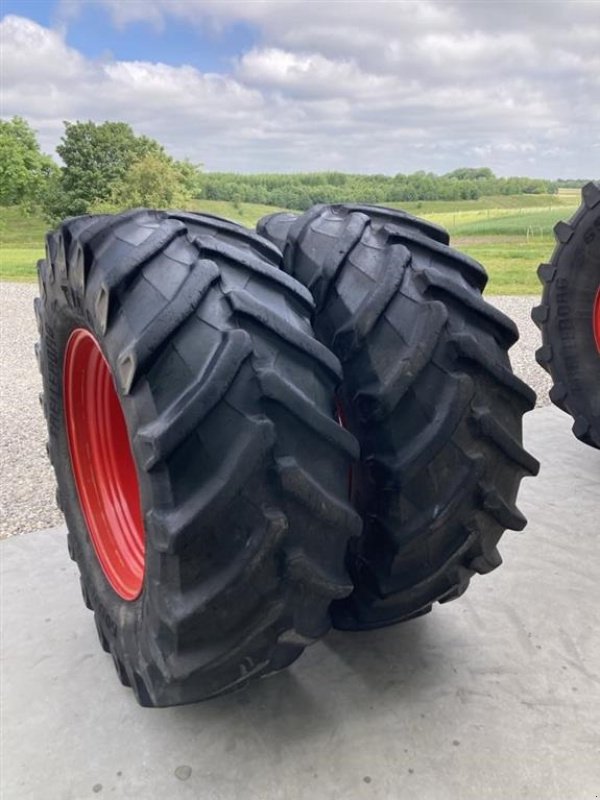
[298,85]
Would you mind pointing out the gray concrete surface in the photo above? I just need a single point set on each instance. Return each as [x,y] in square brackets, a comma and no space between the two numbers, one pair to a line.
[496,695]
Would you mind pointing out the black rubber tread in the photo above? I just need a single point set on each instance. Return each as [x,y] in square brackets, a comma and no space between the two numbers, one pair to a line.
[397,217]
[419,236]
[230,406]
[571,281]
[430,394]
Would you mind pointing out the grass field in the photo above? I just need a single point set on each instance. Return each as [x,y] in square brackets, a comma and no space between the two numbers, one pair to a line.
[18,263]
[511,265]
[509,239]
[509,234]
[511,203]
[246,213]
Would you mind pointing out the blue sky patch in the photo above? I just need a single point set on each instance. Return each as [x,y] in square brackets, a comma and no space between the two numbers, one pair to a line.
[94,34]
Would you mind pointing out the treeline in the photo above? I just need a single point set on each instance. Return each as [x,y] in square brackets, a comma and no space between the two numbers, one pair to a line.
[304,189]
[106,167]
[571,183]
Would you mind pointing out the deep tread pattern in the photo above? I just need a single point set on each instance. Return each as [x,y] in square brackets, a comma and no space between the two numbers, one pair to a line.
[350,336]
[229,401]
[211,246]
[468,348]
[350,235]
[281,391]
[398,218]
[175,611]
[506,514]
[501,327]
[244,304]
[423,448]
[381,398]
[147,345]
[174,529]
[429,393]
[157,242]
[228,231]
[299,483]
[303,570]
[571,283]
[164,434]
[504,440]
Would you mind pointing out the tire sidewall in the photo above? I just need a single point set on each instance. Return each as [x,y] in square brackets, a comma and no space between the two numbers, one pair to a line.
[571,298]
[118,619]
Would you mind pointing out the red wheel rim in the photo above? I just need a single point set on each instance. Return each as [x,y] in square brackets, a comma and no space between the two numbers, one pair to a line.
[596,319]
[103,466]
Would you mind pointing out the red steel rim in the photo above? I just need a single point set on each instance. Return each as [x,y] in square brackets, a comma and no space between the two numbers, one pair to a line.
[103,466]
[596,319]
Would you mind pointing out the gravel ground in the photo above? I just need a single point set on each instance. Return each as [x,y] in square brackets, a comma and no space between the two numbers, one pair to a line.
[522,354]
[26,478]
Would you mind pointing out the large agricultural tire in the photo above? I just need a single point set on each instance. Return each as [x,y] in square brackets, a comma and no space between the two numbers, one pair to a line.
[192,430]
[429,393]
[569,317]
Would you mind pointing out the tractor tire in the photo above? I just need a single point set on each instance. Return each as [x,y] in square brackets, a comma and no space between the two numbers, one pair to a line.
[569,317]
[430,395]
[192,430]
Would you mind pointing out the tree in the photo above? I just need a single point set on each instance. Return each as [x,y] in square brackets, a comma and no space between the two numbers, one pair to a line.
[96,159]
[24,170]
[471,173]
[154,181]
[97,156]
[189,177]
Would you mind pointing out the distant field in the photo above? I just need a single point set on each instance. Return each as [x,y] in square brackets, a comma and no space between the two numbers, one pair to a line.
[528,223]
[246,213]
[510,202]
[509,234]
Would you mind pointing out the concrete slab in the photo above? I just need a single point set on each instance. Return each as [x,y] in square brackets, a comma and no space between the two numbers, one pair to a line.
[496,695]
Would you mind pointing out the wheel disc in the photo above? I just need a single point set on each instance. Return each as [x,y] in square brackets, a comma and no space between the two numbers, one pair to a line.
[596,319]
[103,466]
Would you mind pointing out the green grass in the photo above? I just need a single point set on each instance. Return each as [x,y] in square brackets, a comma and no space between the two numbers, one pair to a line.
[530,225]
[509,202]
[246,213]
[18,263]
[18,229]
[21,244]
[509,234]
[511,266]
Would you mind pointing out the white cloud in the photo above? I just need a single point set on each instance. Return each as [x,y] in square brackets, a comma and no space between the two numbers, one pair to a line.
[46,81]
[385,86]
[310,75]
